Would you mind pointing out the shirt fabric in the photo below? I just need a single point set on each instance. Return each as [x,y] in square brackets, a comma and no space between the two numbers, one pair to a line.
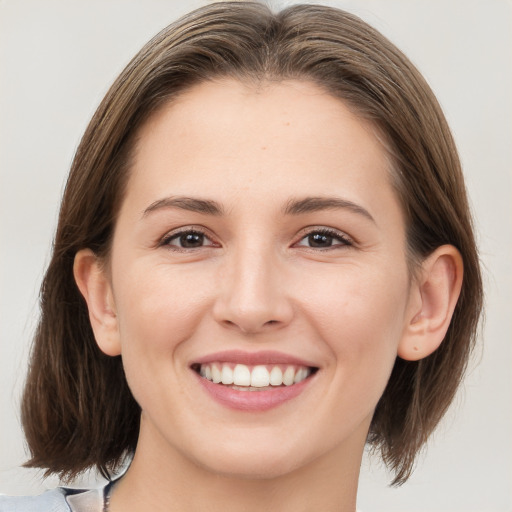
[61,499]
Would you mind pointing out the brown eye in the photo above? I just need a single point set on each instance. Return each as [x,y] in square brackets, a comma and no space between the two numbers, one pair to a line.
[324,239]
[320,240]
[188,240]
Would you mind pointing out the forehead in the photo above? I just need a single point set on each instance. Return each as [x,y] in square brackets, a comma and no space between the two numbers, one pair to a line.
[226,136]
[289,108]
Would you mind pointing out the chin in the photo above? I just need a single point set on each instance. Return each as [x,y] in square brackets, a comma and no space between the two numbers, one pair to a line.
[256,456]
[259,468]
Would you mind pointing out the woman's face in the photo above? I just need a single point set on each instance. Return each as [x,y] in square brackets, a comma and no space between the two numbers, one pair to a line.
[260,239]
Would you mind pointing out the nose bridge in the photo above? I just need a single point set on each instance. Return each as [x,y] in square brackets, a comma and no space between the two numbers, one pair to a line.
[252,295]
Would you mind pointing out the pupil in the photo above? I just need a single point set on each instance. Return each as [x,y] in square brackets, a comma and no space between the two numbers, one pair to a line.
[320,240]
[191,240]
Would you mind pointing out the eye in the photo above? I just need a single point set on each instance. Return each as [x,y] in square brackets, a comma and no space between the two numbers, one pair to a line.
[189,239]
[324,239]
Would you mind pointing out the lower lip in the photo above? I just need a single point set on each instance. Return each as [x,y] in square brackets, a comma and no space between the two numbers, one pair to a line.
[252,400]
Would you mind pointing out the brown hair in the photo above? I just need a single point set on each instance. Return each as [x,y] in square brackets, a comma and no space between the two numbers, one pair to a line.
[77,410]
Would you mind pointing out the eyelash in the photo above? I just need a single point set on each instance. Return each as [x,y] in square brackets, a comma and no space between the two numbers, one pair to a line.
[333,234]
[330,233]
[166,241]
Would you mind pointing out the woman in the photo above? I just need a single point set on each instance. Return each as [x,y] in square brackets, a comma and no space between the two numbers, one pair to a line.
[264,261]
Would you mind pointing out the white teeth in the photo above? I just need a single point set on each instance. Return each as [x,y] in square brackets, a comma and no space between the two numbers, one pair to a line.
[216,375]
[260,377]
[300,375]
[288,376]
[276,376]
[227,374]
[242,375]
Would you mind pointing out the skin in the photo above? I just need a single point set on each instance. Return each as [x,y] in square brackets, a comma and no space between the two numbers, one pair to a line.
[257,284]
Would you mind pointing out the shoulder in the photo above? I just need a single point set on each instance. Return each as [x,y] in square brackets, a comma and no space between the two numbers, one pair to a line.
[50,501]
[57,500]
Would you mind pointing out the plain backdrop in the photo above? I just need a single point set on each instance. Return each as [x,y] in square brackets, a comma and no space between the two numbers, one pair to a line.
[57,59]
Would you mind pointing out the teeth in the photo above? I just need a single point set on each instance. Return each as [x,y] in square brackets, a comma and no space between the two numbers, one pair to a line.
[242,375]
[260,377]
[288,376]
[227,375]
[300,375]
[254,378]
[216,375]
[276,376]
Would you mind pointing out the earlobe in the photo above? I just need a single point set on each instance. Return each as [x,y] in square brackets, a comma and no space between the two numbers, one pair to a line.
[94,285]
[433,299]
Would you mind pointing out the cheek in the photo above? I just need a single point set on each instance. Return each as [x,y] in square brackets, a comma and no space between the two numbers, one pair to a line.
[360,316]
[363,304]
[157,311]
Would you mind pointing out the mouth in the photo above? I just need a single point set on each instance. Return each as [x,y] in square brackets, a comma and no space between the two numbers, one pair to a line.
[259,377]
[253,381]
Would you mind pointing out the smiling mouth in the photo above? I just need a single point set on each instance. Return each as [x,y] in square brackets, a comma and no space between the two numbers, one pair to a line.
[243,377]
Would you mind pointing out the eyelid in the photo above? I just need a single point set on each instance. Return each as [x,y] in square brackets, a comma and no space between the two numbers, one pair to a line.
[175,233]
[346,240]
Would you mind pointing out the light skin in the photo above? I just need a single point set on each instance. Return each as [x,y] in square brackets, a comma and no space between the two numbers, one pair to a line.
[298,247]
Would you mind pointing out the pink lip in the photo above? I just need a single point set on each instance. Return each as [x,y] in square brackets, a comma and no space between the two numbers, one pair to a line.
[252,401]
[252,358]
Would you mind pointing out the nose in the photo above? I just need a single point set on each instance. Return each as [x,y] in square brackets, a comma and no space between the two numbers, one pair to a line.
[252,297]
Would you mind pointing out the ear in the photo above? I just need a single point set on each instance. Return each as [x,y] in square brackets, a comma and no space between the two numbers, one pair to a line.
[94,284]
[433,298]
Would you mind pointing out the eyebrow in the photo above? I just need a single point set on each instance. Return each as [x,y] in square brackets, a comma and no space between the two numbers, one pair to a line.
[191,204]
[315,204]
[293,207]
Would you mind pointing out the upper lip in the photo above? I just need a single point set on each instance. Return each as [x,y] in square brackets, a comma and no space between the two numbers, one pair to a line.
[265,357]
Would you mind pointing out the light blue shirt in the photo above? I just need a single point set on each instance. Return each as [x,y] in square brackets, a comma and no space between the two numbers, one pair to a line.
[61,499]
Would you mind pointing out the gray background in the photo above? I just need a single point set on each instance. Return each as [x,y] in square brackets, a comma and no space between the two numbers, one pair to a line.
[57,59]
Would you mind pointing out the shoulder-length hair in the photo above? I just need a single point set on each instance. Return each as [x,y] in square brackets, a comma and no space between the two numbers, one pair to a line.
[77,410]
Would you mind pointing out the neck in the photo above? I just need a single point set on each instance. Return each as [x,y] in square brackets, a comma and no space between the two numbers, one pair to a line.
[173,483]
